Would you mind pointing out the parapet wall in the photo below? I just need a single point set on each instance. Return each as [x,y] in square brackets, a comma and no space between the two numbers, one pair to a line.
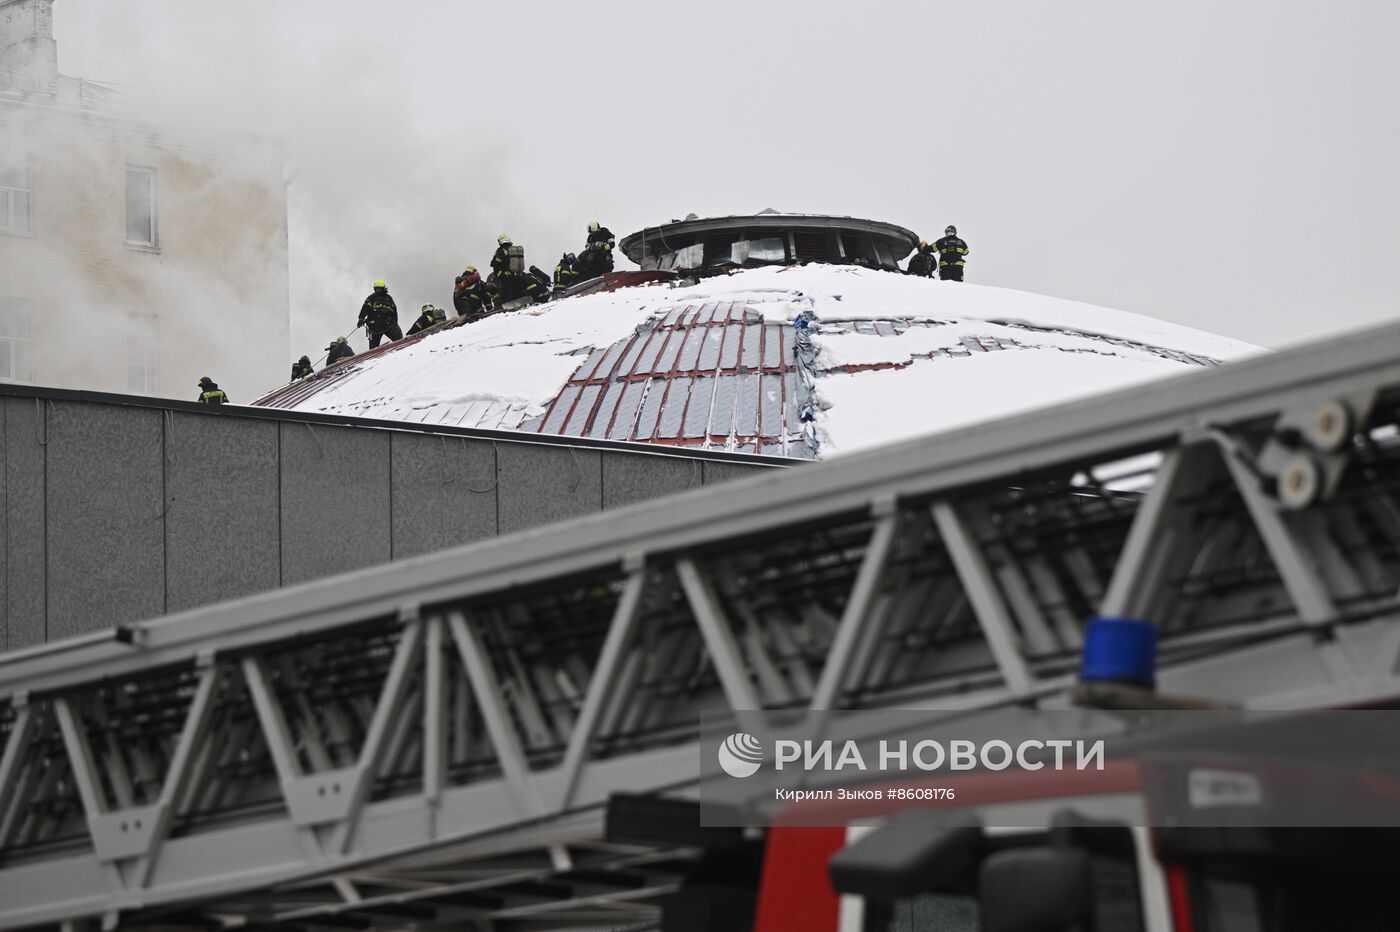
[119,508]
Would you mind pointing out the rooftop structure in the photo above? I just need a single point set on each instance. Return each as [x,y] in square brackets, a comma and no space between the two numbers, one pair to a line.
[717,244]
[801,362]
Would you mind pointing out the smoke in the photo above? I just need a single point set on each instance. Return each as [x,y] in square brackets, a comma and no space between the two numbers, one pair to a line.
[1073,148]
[374,187]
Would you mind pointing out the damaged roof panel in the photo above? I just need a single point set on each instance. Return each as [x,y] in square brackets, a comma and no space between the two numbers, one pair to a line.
[694,384]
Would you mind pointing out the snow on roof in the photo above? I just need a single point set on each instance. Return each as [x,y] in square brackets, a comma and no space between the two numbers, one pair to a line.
[801,361]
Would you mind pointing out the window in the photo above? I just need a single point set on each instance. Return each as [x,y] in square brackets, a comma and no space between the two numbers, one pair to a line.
[141,206]
[15,322]
[14,198]
[759,250]
[141,354]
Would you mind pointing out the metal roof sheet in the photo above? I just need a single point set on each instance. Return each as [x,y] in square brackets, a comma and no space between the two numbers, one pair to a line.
[714,375]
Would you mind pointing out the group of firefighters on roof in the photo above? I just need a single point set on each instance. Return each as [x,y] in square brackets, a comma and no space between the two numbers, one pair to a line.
[475,297]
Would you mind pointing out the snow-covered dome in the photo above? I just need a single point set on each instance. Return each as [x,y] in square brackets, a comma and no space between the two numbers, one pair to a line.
[803,361]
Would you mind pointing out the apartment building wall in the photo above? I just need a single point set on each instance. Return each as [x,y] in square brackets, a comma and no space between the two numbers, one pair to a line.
[134,257]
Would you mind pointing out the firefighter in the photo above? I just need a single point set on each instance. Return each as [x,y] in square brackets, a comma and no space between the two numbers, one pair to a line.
[923,261]
[302,368]
[597,255]
[338,350]
[470,296]
[379,315]
[951,250]
[500,262]
[430,317]
[509,283]
[210,393]
[537,285]
[566,272]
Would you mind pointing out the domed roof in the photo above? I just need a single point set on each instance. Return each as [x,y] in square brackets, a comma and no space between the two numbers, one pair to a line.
[802,362]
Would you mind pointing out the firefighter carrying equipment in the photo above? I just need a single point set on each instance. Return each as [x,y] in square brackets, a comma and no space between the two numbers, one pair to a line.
[509,259]
[566,272]
[379,315]
[537,285]
[431,317]
[470,295]
[338,350]
[597,255]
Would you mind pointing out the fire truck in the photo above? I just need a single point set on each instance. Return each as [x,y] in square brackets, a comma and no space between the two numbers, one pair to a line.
[1215,835]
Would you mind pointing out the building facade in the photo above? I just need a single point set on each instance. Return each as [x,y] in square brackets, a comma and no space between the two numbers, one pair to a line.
[134,257]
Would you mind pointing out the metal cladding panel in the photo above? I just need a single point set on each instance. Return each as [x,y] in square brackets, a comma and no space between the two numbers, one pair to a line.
[444,492]
[581,417]
[540,485]
[673,409]
[628,479]
[697,410]
[24,576]
[722,416]
[335,500]
[607,409]
[106,546]
[746,405]
[651,409]
[624,419]
[222,523]
[695,375]
[689,357]
[710,349]
[651,351]
[559,410]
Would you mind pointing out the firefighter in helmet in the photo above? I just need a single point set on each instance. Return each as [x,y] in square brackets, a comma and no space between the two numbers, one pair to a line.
[470,295]
[951,250]
[210,393]
[379,315]
[430,317]
[597,255]
[338,350]
[566,272]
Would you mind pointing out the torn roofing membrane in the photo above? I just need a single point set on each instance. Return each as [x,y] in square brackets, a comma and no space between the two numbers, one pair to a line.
[803,362]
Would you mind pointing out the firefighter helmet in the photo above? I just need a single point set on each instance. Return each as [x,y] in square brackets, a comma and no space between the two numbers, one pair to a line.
[469,270]
[205,382]
[503,239]
[379,283]
[593,227]
[951,230]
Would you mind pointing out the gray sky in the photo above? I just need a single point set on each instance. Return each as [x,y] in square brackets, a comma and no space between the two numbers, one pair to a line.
[1229,166]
